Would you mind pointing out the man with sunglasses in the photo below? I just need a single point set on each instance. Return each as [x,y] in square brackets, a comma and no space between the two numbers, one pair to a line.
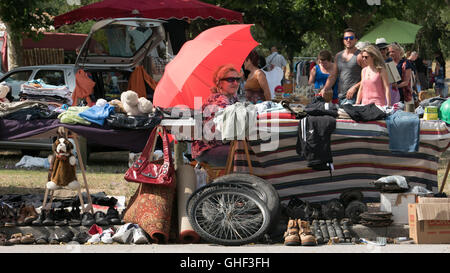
[348,73]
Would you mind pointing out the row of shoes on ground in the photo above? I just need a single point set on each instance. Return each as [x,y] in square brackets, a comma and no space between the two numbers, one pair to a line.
[333,231]
[63,217]
[300,232]
[21,216]
[349,205]
[126,234]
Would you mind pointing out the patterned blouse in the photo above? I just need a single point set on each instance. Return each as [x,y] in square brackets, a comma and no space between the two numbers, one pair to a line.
[213,104]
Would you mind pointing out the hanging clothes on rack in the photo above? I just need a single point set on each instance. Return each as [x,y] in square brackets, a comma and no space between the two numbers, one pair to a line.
[302,68]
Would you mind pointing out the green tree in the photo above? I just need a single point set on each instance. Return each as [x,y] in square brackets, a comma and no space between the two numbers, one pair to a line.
[22,19]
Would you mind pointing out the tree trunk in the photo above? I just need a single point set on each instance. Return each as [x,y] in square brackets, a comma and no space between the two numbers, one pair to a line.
[15,48]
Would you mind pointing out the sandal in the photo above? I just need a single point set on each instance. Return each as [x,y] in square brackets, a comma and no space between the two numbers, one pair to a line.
[15,238]
[27,239]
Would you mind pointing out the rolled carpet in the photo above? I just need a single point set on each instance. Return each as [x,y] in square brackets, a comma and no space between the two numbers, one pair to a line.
[186,185]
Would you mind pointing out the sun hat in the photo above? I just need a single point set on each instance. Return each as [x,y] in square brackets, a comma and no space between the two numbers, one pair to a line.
[381,43]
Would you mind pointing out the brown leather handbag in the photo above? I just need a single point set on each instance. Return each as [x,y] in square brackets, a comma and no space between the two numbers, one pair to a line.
[146,170]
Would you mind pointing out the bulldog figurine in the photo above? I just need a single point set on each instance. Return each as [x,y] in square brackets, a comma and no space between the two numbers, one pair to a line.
[62,171]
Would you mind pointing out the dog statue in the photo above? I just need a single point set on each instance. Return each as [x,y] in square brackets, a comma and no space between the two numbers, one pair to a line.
[62,171]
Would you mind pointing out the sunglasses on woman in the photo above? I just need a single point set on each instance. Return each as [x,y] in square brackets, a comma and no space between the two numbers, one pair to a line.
[231,79]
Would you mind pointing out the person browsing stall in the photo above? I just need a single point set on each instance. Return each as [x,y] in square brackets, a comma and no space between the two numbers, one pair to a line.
[383,47]
[319,74]
[211,149]
[256,87]
[348,72]
[374,87]
[404,68]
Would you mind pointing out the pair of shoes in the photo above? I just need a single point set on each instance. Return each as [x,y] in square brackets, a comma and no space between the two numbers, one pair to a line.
[41,239]
[112,216]
[346,230]
[106,236]
[324,230]
[26,215]
[130,233]
[317,232]
[9,216]
[65,237]
[3,240]
[338,229]
[299,233]
[19,238]
[81,237]
[100,218]
[62,217]
[87,219]
[75,216]
[49,217]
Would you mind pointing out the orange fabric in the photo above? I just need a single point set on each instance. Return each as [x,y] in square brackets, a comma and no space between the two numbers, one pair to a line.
[84,86]
[138,79]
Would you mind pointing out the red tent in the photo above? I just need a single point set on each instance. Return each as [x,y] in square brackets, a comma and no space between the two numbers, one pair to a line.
[154,9]
[67,41]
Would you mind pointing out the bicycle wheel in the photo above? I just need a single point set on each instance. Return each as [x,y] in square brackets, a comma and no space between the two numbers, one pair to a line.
[263,189]
[229,216]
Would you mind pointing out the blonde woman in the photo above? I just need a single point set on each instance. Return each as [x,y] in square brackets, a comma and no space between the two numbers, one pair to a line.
[374,86]
[404,68]
[226,81]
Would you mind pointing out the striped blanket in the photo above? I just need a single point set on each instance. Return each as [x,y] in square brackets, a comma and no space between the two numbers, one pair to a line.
[360,155]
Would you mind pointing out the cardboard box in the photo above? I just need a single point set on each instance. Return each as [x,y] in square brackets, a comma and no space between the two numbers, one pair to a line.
[429,223]
[422,199]
[397,204]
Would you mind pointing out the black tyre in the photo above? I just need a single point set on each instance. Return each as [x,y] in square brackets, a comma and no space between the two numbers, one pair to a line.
[221,185]
[229,216]
[264,190]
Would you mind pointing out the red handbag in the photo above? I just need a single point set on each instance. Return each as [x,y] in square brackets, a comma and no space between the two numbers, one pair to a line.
[159,172]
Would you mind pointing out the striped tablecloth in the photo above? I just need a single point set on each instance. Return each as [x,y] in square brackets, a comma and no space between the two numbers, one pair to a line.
[360,155]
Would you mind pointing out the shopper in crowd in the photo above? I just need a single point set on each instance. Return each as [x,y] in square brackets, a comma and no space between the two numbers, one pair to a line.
[211,149]
[383,47]
[421,71]
[348,72]
[256,87]
[404,69]
[439,75]
[374,86]
[276,59]
[411,56]
[319,74]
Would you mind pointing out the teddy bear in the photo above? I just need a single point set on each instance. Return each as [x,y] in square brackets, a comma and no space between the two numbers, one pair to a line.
[62,171]
[135,106]
[4,90]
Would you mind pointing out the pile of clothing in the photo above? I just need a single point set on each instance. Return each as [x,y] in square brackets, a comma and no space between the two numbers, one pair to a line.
[38,90]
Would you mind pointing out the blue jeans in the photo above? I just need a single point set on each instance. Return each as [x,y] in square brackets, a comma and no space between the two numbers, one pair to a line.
[404,131]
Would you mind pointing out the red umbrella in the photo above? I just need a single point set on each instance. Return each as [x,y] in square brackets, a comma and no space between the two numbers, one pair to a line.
[190,73]
[154,9]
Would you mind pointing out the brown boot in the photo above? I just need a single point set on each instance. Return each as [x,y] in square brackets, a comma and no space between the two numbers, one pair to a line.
[21,215]
[306,236]
[31,215]
[291,236]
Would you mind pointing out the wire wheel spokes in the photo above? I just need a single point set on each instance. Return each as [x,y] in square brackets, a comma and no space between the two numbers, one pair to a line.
[230,215]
